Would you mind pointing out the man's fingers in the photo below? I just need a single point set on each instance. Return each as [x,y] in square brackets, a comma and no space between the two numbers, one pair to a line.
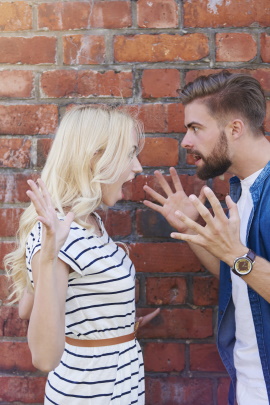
[156,196]
[215,204]
[175,178]
[194,226]
[234,214]
[163,183]
[153,206]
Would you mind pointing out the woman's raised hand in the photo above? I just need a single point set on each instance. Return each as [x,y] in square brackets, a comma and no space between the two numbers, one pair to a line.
[176,201]
[55,231]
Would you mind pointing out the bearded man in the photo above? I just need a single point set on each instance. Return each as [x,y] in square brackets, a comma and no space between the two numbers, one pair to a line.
[224,115]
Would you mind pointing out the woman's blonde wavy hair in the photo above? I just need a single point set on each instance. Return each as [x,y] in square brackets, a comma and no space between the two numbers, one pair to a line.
[92,147]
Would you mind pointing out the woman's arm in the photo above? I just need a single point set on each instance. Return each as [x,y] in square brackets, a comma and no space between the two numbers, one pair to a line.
[26,304]
[46,332]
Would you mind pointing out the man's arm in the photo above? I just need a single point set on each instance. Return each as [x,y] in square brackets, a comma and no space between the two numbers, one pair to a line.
[178,200]
[221,238]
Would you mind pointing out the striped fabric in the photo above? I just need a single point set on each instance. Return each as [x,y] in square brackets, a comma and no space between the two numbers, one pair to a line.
[100,304]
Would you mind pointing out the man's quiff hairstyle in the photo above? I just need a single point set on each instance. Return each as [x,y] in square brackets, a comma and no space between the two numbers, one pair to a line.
[225,93]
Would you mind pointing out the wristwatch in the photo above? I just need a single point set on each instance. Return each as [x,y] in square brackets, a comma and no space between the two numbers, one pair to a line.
[244,264]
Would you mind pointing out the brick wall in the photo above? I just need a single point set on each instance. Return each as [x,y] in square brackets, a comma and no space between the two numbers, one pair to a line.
[140,53]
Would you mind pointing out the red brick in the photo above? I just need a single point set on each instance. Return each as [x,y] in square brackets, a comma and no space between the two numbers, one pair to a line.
[13,187]
[15,16]
[83,49]
[221,186]
[5,248]
[239,13]
[176,390]
[164,357]
[4,290]
[16,83]
[28,119]
[15,356]
[265,47]
[10,323]
[164,257]
[43,148]
[205,290]
[235,47]
[137,290]
[177,323]
[64,16]
[27,390]
[175,118]
[59,83]
[160,152]
[160,83]
[9,219]
[160,47]
[223,390]
[32,51]
[205,357]
[117,223]
[157,14]
[15,152]
[166,290]
[111,14]
[153,117]
[110,83]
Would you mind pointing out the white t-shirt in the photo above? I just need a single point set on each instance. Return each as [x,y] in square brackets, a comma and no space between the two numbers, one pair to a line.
[246,355]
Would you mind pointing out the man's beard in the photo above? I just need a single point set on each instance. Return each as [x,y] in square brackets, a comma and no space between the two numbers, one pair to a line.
[217,163]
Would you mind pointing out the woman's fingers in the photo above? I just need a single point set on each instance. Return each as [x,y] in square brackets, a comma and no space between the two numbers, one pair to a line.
[147,318]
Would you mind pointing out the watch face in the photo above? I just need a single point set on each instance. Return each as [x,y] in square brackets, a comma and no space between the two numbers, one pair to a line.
[243,265]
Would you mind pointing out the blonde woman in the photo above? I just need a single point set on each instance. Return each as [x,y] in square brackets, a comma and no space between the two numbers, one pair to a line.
[73,282]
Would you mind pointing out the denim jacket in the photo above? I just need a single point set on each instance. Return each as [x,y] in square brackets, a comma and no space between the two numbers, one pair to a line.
[258,239]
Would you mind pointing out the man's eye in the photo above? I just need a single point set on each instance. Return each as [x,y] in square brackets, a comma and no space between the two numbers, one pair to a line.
[195,129]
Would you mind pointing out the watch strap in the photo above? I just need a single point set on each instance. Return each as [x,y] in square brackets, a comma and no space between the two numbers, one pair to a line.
[251,255]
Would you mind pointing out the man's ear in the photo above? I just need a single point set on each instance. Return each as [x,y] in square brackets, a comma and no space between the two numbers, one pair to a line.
[235,128]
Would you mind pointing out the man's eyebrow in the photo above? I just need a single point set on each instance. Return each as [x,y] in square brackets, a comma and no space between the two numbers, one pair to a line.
[192,123]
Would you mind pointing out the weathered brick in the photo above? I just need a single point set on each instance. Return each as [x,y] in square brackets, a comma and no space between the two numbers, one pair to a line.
[13,187]
[15,152]
[151,224]
[5,248]
[160,47]
[84,49]
[223,390]
[239,13]
[160,83]
[166,290]
[63,15]
[164,357]
[10,323]
[137,290]
[221,186]
[32,51]
[9,220]
[15,356]
[4,290]
[28,119]
[235,47]
[111,14]
[15,16]
[59,83]
[16,84]
[176,390]
[177,323]
[205,290]
[175,118]
[157,14]
[164,257]
[160,152]
[205,357]
[265,47]
[43,148]
[117,223]
[26,390]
